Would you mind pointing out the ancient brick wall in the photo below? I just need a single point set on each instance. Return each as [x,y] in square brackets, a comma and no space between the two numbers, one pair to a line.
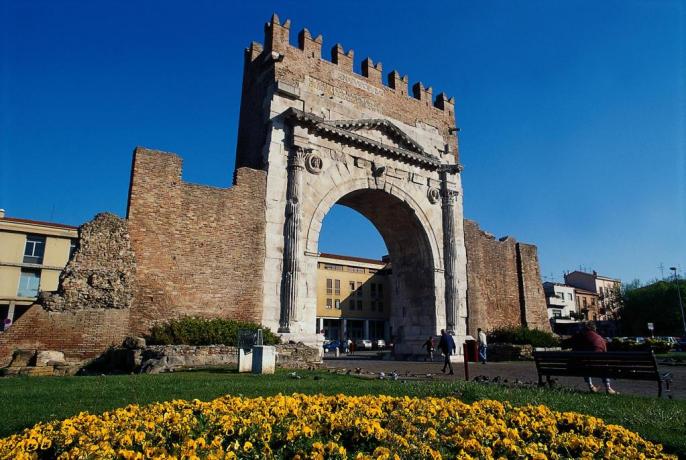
[199,250]
[504,284]
[90,310]
[531,288]
[80,334]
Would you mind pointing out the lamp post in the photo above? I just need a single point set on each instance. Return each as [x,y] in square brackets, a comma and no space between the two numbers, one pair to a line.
[681,304]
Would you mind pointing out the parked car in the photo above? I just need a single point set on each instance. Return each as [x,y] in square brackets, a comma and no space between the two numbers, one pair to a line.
[379,344]
[363,344]
[680,343]
[331,345]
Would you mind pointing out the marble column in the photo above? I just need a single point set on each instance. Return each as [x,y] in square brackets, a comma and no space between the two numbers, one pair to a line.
[292,237]
[448,198]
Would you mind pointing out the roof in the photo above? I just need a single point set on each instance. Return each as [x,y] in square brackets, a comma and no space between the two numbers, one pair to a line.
[554,283]
[351,258]
[38,222]
[585,292]
[595,275]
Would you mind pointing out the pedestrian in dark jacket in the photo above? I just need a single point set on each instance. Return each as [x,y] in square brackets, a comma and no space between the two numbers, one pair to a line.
[447,347]
[589,340]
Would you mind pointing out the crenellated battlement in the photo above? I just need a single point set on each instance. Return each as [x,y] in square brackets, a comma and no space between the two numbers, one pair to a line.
[277,43]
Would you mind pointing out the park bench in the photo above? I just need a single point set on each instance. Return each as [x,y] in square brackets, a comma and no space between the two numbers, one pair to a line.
[630,365]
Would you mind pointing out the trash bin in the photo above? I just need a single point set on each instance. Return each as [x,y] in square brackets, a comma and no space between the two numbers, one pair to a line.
[472,350]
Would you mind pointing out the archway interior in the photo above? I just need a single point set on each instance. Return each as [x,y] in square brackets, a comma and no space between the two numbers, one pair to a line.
[404,285]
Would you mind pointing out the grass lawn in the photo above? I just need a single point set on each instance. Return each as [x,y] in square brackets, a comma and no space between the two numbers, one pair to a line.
[26,401]
[674,355]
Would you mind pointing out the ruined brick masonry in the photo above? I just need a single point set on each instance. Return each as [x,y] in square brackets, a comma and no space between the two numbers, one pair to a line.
[504,282]
[197,248]
[387,152]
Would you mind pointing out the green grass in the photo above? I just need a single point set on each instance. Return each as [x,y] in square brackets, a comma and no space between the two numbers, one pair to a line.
[673,354]
[26,401]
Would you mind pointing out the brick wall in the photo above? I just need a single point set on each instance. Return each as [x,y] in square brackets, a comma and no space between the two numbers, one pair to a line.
[535,310]
[331,71]
[199,249]
[80,334]
[504,284]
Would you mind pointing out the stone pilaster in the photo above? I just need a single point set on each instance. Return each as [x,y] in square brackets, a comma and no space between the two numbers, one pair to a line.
[448,198]
[292,238]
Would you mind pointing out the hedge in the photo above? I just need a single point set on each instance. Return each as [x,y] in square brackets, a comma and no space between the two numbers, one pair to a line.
[192,330]
[520,335]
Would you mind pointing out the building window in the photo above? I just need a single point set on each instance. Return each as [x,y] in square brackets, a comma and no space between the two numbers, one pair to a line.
[585,303]
[557,314]
[356,269]
[380,289]
[380,305]
[569,295]
[329,303]
[72,248]
[373,288]
[337,287]
[359,289]
[372,271]
[34,249]
[335,267]
[329,286]
[352,287]
[29,282]
[337,304]
[359,305]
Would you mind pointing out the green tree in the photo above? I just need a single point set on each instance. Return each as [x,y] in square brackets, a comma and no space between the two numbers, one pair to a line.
[655,303]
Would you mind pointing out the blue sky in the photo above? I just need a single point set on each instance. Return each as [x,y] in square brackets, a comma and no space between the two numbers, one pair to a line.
[572,112]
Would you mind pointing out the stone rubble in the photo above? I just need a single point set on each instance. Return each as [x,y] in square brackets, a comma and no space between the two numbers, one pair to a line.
[102,271]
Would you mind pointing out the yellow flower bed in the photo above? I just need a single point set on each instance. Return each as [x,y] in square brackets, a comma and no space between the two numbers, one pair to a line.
[329,427]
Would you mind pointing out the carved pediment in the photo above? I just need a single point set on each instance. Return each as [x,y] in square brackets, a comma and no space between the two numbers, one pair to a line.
[380,130]
[378,135]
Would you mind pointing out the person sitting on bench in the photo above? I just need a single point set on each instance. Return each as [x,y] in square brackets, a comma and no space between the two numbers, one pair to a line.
[589,340]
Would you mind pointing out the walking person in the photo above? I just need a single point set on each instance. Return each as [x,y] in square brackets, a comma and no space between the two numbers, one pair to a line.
[429,345]
[589,340]
[483,345]
[447,347]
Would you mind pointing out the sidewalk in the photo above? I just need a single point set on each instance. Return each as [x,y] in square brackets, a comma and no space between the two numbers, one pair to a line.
[524,371]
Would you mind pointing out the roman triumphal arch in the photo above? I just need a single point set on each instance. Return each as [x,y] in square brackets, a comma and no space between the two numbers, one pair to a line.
[325,134]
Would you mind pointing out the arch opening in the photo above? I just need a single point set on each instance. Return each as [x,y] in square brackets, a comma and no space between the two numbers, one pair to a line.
[394,299]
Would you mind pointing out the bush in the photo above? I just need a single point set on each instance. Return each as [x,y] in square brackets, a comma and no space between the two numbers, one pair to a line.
[658,346]
[192,330]
[520,335]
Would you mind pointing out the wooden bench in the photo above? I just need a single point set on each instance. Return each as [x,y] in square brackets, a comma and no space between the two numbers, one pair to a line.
[630,365]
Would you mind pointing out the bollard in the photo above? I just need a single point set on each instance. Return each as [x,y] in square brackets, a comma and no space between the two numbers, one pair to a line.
[337,352]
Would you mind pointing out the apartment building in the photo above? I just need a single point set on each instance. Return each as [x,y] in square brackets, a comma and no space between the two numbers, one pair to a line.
[605,288]
[560,301]
[32,255]
[353,297]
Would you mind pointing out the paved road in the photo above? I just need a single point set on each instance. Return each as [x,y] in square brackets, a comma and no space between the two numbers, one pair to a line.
[524,371]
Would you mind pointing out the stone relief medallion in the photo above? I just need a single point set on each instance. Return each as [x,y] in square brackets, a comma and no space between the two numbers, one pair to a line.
[433,194]
[314,163]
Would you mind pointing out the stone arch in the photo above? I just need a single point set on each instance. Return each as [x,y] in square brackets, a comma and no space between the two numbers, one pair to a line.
[417,308]
[335,194]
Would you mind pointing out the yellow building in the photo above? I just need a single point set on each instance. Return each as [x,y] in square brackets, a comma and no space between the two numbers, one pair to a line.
[353,297]
[32,255]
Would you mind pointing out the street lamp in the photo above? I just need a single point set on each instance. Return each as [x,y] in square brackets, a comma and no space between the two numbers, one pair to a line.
[681,304]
